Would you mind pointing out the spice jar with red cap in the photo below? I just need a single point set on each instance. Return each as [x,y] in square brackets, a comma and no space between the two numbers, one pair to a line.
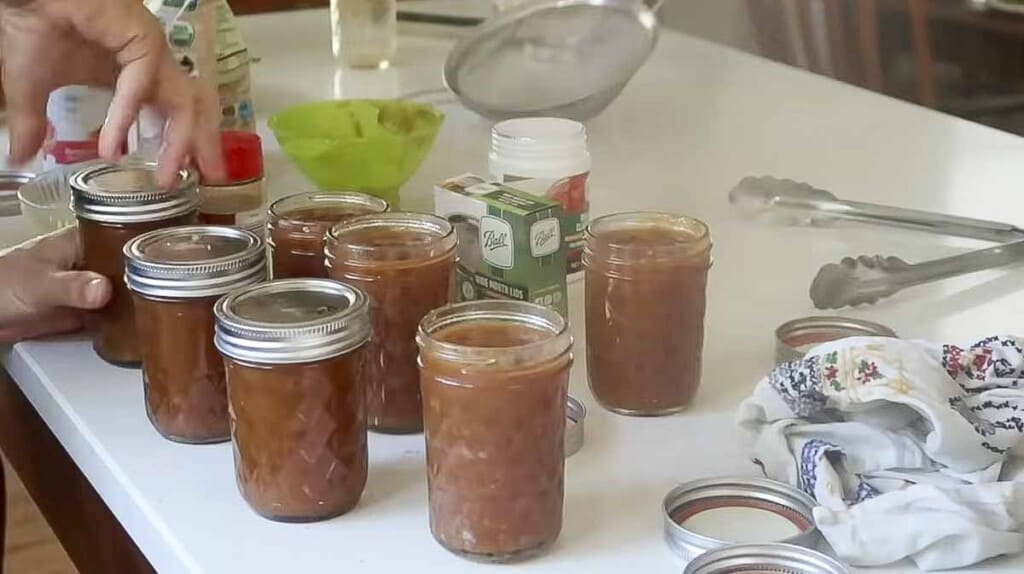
[240,200]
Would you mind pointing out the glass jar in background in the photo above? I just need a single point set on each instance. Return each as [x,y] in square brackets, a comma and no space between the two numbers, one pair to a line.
[175,276]
[241,199]
[296,226]
[646,277]
[114,204]
[294,354]
[364,33]
[495,376]
[404,263]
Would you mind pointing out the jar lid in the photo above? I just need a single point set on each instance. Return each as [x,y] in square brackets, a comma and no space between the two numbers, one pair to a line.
[194,261]
[575,415]
[794,338]
[292,321]
[774,558]
[243,155]
[705,514]
[130,193]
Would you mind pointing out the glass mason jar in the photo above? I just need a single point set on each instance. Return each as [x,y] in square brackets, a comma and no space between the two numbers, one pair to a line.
[495,376]
[175,276]
[114,204]
[364,33]
[294,354]
[404,263]
[296,225]
[646,276]
[241,199]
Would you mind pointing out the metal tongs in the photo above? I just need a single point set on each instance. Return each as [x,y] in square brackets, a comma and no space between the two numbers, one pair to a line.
[798,203]
[866,279]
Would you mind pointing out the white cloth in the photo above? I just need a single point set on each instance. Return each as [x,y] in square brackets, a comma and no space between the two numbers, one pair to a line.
[902,444]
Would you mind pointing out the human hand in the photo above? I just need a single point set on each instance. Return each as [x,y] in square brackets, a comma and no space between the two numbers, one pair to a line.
[47,44]
[41,293]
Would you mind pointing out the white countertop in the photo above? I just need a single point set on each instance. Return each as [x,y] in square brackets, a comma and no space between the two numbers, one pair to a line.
[694,121]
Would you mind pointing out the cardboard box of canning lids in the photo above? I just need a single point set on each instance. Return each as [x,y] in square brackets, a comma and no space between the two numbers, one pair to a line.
[510,242]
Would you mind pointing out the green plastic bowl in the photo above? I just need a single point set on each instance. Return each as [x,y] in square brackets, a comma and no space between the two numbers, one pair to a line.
[373,146]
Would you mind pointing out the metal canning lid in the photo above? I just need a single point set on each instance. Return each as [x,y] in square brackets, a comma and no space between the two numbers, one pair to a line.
[764,558]
[130,194]
[291,321]
[702,515]
[575,415]
[794,338]
[194,261]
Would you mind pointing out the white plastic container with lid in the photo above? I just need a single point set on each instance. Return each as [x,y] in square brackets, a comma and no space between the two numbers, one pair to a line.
[547,157]
[74,118]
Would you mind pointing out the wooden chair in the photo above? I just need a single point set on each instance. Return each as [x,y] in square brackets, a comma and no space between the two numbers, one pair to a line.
[841,39]
[971,32]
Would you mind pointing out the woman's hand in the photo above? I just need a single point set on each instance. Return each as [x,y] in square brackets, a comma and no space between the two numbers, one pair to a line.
[47,44]
[41,293]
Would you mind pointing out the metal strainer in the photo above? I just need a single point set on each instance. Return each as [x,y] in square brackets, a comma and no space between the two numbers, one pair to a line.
[561,58]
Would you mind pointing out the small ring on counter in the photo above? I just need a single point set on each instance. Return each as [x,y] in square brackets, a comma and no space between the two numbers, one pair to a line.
[702,515]
[765,558]
[575,413]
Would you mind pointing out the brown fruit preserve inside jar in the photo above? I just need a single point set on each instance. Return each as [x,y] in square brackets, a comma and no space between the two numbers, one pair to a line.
[114,204]
[175,276]
[297,225]
[646,276]
[186,397]
[404,263]
[294,352]
[495,376]
[115,338]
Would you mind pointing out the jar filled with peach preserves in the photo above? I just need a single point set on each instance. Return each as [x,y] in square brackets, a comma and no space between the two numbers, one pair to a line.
[495,376]
[297,224]
[114,204]
[294,354]
[646,277]
[404,263]
[175,276]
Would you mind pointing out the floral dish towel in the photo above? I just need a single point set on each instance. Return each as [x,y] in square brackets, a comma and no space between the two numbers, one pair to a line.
[907,446]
